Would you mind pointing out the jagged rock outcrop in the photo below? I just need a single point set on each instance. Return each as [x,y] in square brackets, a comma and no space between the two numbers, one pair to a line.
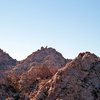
[78,80]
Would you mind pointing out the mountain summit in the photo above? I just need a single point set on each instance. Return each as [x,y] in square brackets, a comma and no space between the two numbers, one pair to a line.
[48,57]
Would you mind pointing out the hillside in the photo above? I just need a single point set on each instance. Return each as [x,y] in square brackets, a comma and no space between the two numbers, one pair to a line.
[47,75]
[47,57]
[6,61]
[78,80]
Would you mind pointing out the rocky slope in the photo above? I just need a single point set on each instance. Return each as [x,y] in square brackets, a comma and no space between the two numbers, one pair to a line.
[6,61]
[40,65]
[47,75]
[47,57]
[78,80]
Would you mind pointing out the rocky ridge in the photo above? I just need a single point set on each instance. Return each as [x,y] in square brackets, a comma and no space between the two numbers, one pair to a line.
[78,80]
[40,65]
[47,75]
[47,57]
[6,61]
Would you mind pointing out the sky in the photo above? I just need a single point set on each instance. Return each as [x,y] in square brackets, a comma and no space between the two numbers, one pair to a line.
[69,26]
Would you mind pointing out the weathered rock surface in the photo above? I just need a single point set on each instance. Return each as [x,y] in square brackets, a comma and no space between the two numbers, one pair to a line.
[78,80]
[45,56]
[40,65]
[25,77]
[47,75]
[6,61]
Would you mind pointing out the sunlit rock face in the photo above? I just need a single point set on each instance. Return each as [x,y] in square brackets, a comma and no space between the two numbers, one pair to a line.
[45,56]
[47,75]
[27,74]
[40,65]
[78,80]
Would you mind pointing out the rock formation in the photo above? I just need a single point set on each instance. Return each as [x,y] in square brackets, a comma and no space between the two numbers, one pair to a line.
[45,56]
[6,61]
[78,80]
[47,75]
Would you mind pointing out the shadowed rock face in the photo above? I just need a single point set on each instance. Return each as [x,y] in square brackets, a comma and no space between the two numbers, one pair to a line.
[78,80]
[6,61]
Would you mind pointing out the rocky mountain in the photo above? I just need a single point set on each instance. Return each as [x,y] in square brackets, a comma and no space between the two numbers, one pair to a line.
[40,65]
[78,80]
[6,61]
[47,57]
[47,75]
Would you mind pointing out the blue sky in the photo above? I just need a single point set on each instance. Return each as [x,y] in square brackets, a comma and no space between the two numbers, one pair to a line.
[70,26]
